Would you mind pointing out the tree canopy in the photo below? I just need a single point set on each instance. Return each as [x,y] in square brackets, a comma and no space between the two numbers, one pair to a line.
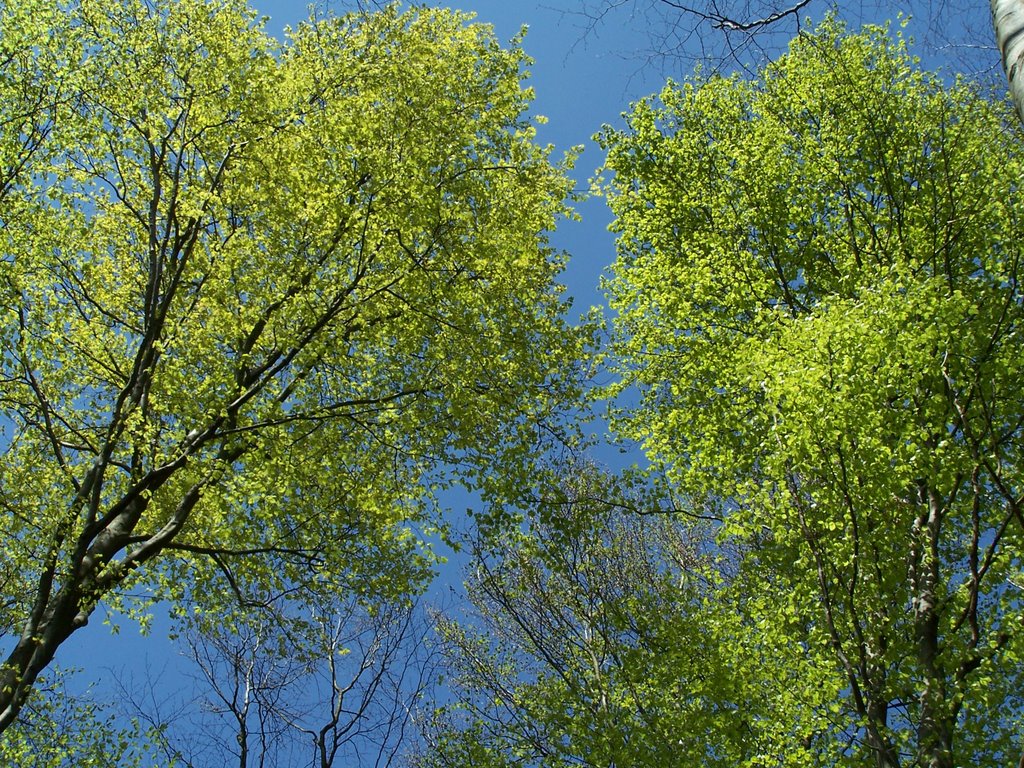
[264,302]
[259,302]
[817,288]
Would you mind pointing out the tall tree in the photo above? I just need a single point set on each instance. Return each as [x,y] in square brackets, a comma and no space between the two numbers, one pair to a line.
[333,682]
[612,632]
[817,296]
[258,302]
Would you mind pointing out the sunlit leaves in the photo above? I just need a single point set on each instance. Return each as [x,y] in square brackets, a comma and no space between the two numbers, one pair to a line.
[261,301]
[817,288]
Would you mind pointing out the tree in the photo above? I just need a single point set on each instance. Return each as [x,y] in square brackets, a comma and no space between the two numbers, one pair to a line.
[817,288]
[260,302]
[62,726]
[333,684]
[1008,18]
[611,631]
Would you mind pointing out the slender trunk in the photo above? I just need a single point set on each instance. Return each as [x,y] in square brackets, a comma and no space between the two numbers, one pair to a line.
[62,610]
[885,752]
[936,727]
[63,616]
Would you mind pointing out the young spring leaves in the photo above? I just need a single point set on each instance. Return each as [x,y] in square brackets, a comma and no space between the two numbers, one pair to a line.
[258,301]
[611,632]
[817,288]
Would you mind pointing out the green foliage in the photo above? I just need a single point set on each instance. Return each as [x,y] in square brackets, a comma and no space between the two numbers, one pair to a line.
[259,303]
[611,632]
[817,290]
[61,729]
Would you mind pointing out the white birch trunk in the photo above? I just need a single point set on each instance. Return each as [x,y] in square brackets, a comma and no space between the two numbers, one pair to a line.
[1008,17]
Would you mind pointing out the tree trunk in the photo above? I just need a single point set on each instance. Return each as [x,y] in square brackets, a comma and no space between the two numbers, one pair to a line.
[1008,18]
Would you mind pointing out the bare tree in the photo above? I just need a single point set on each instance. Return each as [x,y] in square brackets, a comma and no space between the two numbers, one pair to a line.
[334,685]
